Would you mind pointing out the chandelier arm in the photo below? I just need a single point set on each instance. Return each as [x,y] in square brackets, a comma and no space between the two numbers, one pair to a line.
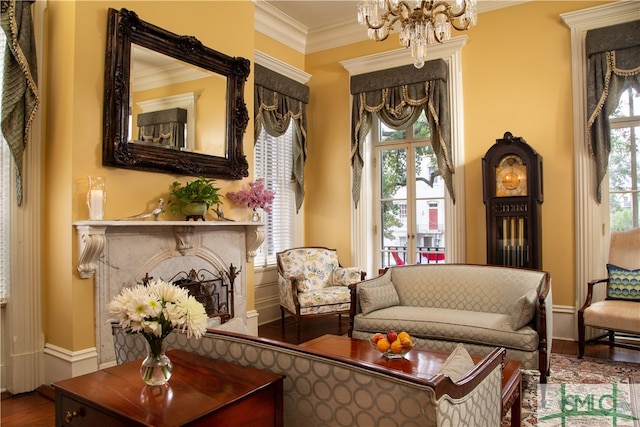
[387,27]
[383,20]
[448,9]
[460,27]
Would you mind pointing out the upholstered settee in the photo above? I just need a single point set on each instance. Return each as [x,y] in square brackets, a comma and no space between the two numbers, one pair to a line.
[322,390]
[444,304]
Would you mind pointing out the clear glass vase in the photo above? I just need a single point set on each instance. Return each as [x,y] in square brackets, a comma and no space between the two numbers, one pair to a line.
[156,368]
[96,197]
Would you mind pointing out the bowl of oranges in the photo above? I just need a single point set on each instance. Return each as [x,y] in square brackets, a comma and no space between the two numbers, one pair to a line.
[392,345]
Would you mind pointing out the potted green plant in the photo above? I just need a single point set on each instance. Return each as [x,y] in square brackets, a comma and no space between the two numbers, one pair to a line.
[194,198]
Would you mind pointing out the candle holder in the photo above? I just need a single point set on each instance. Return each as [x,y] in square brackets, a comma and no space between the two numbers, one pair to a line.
[96,197]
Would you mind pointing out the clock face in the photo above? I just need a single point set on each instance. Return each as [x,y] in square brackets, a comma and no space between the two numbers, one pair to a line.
[511,177]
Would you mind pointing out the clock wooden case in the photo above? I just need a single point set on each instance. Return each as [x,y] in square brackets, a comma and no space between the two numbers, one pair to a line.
[512,182]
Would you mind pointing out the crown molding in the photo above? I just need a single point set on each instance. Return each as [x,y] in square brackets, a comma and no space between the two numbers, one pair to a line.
[281,67]
[341,32]
[602,16]
[280,27]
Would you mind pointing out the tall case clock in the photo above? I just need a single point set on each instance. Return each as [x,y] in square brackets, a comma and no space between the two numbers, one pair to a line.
[512,182]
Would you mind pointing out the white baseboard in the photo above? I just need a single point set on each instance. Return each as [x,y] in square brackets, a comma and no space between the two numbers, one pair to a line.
[252,322]
[60,363]
[269,309]
[564,322]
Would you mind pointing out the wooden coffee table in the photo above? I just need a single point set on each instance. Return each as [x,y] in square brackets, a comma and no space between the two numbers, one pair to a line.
[420,362]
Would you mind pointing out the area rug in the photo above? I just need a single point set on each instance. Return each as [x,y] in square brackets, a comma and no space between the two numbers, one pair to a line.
[582,392]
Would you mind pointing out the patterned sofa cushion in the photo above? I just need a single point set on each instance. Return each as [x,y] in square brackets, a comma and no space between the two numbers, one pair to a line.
[457,364]
[374,296]
[523,310]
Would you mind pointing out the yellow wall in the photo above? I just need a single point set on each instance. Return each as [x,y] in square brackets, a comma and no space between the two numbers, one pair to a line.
[76,40]
[516,77]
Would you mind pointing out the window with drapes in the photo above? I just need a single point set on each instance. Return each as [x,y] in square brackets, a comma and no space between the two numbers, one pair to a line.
[280,153]
[398,96]
[278,101]
[613,67]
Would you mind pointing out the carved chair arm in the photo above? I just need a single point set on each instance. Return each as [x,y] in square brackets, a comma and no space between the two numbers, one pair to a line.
[590,286]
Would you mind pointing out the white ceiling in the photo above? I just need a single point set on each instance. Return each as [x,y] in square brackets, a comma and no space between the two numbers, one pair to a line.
[313,25]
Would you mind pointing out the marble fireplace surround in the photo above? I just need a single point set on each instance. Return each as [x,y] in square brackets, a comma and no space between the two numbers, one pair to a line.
[120,253]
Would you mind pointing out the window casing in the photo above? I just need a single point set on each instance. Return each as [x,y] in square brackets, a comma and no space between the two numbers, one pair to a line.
[273,161]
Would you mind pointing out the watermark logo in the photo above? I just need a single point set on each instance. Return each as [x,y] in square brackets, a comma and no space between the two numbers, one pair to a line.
[588,404]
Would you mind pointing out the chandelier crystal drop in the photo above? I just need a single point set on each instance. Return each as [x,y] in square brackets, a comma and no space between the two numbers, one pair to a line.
[421,22]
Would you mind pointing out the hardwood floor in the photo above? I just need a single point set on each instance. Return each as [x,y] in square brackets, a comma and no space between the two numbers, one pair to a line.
[37,408]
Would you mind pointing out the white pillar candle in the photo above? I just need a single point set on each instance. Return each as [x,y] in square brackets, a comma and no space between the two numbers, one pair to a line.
[96,208]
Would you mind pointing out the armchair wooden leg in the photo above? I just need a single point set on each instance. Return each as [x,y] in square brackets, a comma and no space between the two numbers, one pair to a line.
[340,324]
[299,320]
[612,338]
[282,321]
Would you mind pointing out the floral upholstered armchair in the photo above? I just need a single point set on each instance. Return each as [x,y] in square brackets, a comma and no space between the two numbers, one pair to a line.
[312,283]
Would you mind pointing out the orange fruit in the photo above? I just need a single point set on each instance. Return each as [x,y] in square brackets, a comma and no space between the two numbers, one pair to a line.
[383,345]
[402,335]
[396,347]
[406,342]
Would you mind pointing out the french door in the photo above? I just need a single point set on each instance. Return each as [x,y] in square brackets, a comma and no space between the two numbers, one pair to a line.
[409,203]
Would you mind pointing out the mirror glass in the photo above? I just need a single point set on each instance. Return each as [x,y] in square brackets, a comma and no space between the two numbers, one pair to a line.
[176,91]
[172,104]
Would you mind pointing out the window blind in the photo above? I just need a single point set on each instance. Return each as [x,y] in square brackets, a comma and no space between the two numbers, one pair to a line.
[273,161]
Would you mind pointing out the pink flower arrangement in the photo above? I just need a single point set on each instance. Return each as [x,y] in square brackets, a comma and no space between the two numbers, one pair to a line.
[256,196]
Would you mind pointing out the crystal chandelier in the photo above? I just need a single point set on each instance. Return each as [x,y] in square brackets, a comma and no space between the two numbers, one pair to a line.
[421,22]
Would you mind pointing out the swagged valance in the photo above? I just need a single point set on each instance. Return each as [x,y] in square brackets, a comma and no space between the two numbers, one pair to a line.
[278,101]
[20,99]
[613,65]
[398,96]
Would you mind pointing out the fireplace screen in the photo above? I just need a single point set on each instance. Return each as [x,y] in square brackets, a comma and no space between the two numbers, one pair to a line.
[213,290]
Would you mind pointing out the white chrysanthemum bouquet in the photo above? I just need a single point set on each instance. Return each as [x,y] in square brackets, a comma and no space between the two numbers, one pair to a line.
[156,309]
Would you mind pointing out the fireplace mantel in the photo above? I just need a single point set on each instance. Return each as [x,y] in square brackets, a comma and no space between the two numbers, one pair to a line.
[92,237]
[120,254]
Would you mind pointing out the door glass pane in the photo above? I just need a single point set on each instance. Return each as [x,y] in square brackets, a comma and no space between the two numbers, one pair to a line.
[393,207]
[429,207]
